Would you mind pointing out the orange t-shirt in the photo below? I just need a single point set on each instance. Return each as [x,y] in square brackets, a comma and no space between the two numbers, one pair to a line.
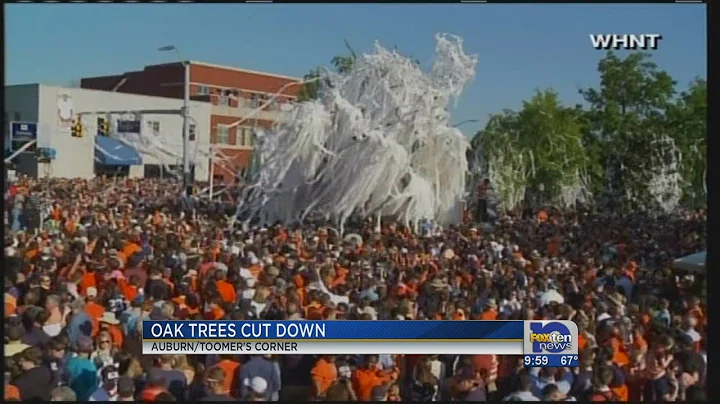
[582,342]
[620,357]
[621,392]
[325,374]
[227,291]
[88,280]
[489,314]
[12,392]
[232,371]
[129,291]
[116,335]
[94,310]
[364,380]
[150,393]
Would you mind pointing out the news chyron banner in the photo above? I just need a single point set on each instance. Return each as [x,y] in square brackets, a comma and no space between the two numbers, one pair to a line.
[550,344]
[333,337]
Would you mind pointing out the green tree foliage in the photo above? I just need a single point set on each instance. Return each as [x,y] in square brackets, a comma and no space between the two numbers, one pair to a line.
[342,63]
[309,91]
[632,121]
[626,117]
[538,148]
[687,123]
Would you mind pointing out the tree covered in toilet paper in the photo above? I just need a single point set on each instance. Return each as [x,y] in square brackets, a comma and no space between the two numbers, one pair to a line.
[377,141]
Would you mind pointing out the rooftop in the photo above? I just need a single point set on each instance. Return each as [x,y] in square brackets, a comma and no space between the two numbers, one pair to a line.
[197,63]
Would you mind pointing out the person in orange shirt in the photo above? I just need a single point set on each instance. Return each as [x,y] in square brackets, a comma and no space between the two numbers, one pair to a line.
[215,310]
[129,288]
[491,312]
[324,374]
[231,369]
[109,322]
[368,376]
[225,288]
[12,393]
[93,309]
[88,279]
[639,343]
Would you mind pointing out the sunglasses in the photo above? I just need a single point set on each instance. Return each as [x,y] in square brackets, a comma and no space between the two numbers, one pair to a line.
[105,341]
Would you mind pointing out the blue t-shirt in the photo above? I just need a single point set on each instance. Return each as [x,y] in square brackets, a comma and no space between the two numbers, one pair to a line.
[82,373]
[80,325]
[100,395]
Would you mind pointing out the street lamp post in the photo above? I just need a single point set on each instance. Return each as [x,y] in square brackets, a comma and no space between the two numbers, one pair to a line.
[187,180]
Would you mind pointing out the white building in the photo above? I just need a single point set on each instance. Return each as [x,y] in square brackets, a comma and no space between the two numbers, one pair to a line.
[157,121]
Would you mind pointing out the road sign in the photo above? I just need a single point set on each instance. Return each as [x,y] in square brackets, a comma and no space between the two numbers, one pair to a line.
[21,133]
[128,126]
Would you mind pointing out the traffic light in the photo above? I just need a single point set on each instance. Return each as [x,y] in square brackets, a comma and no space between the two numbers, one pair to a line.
[77,128]
[103,127]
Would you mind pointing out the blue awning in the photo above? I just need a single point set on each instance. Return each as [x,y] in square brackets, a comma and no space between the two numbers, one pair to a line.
[694,262]
[112,152]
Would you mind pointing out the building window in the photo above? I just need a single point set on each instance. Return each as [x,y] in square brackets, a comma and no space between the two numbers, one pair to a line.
[254,101]
[203,90]
[251,137]
[191,129]
[241,136]
[223,100]
[223,135]
[154,127]
[262,100]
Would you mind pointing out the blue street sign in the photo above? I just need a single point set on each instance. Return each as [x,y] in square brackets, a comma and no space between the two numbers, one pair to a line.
[21,133]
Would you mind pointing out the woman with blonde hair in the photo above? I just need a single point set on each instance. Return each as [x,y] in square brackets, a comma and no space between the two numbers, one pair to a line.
[104,350]
[180,362]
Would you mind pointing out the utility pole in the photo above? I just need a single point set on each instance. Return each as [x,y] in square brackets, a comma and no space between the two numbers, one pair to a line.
[187,176]
[212,171]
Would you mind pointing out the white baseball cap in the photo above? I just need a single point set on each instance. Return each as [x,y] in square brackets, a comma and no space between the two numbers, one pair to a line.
[257,384]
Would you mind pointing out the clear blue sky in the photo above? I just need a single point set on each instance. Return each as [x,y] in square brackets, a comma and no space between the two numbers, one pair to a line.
[521,48]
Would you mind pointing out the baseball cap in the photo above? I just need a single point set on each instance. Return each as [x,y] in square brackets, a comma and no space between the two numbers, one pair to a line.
[257,384]
[109,375]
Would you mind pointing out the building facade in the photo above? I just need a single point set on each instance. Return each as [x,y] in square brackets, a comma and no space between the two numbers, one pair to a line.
[152,126]
[233,94]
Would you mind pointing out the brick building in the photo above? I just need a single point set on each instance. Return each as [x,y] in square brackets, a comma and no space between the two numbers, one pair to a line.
[233,94]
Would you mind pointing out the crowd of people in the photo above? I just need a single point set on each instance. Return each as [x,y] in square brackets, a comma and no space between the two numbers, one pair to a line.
[87,260]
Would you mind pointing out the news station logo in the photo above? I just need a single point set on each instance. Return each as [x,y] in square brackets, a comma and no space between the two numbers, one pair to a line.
[550,337]
[625,41]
